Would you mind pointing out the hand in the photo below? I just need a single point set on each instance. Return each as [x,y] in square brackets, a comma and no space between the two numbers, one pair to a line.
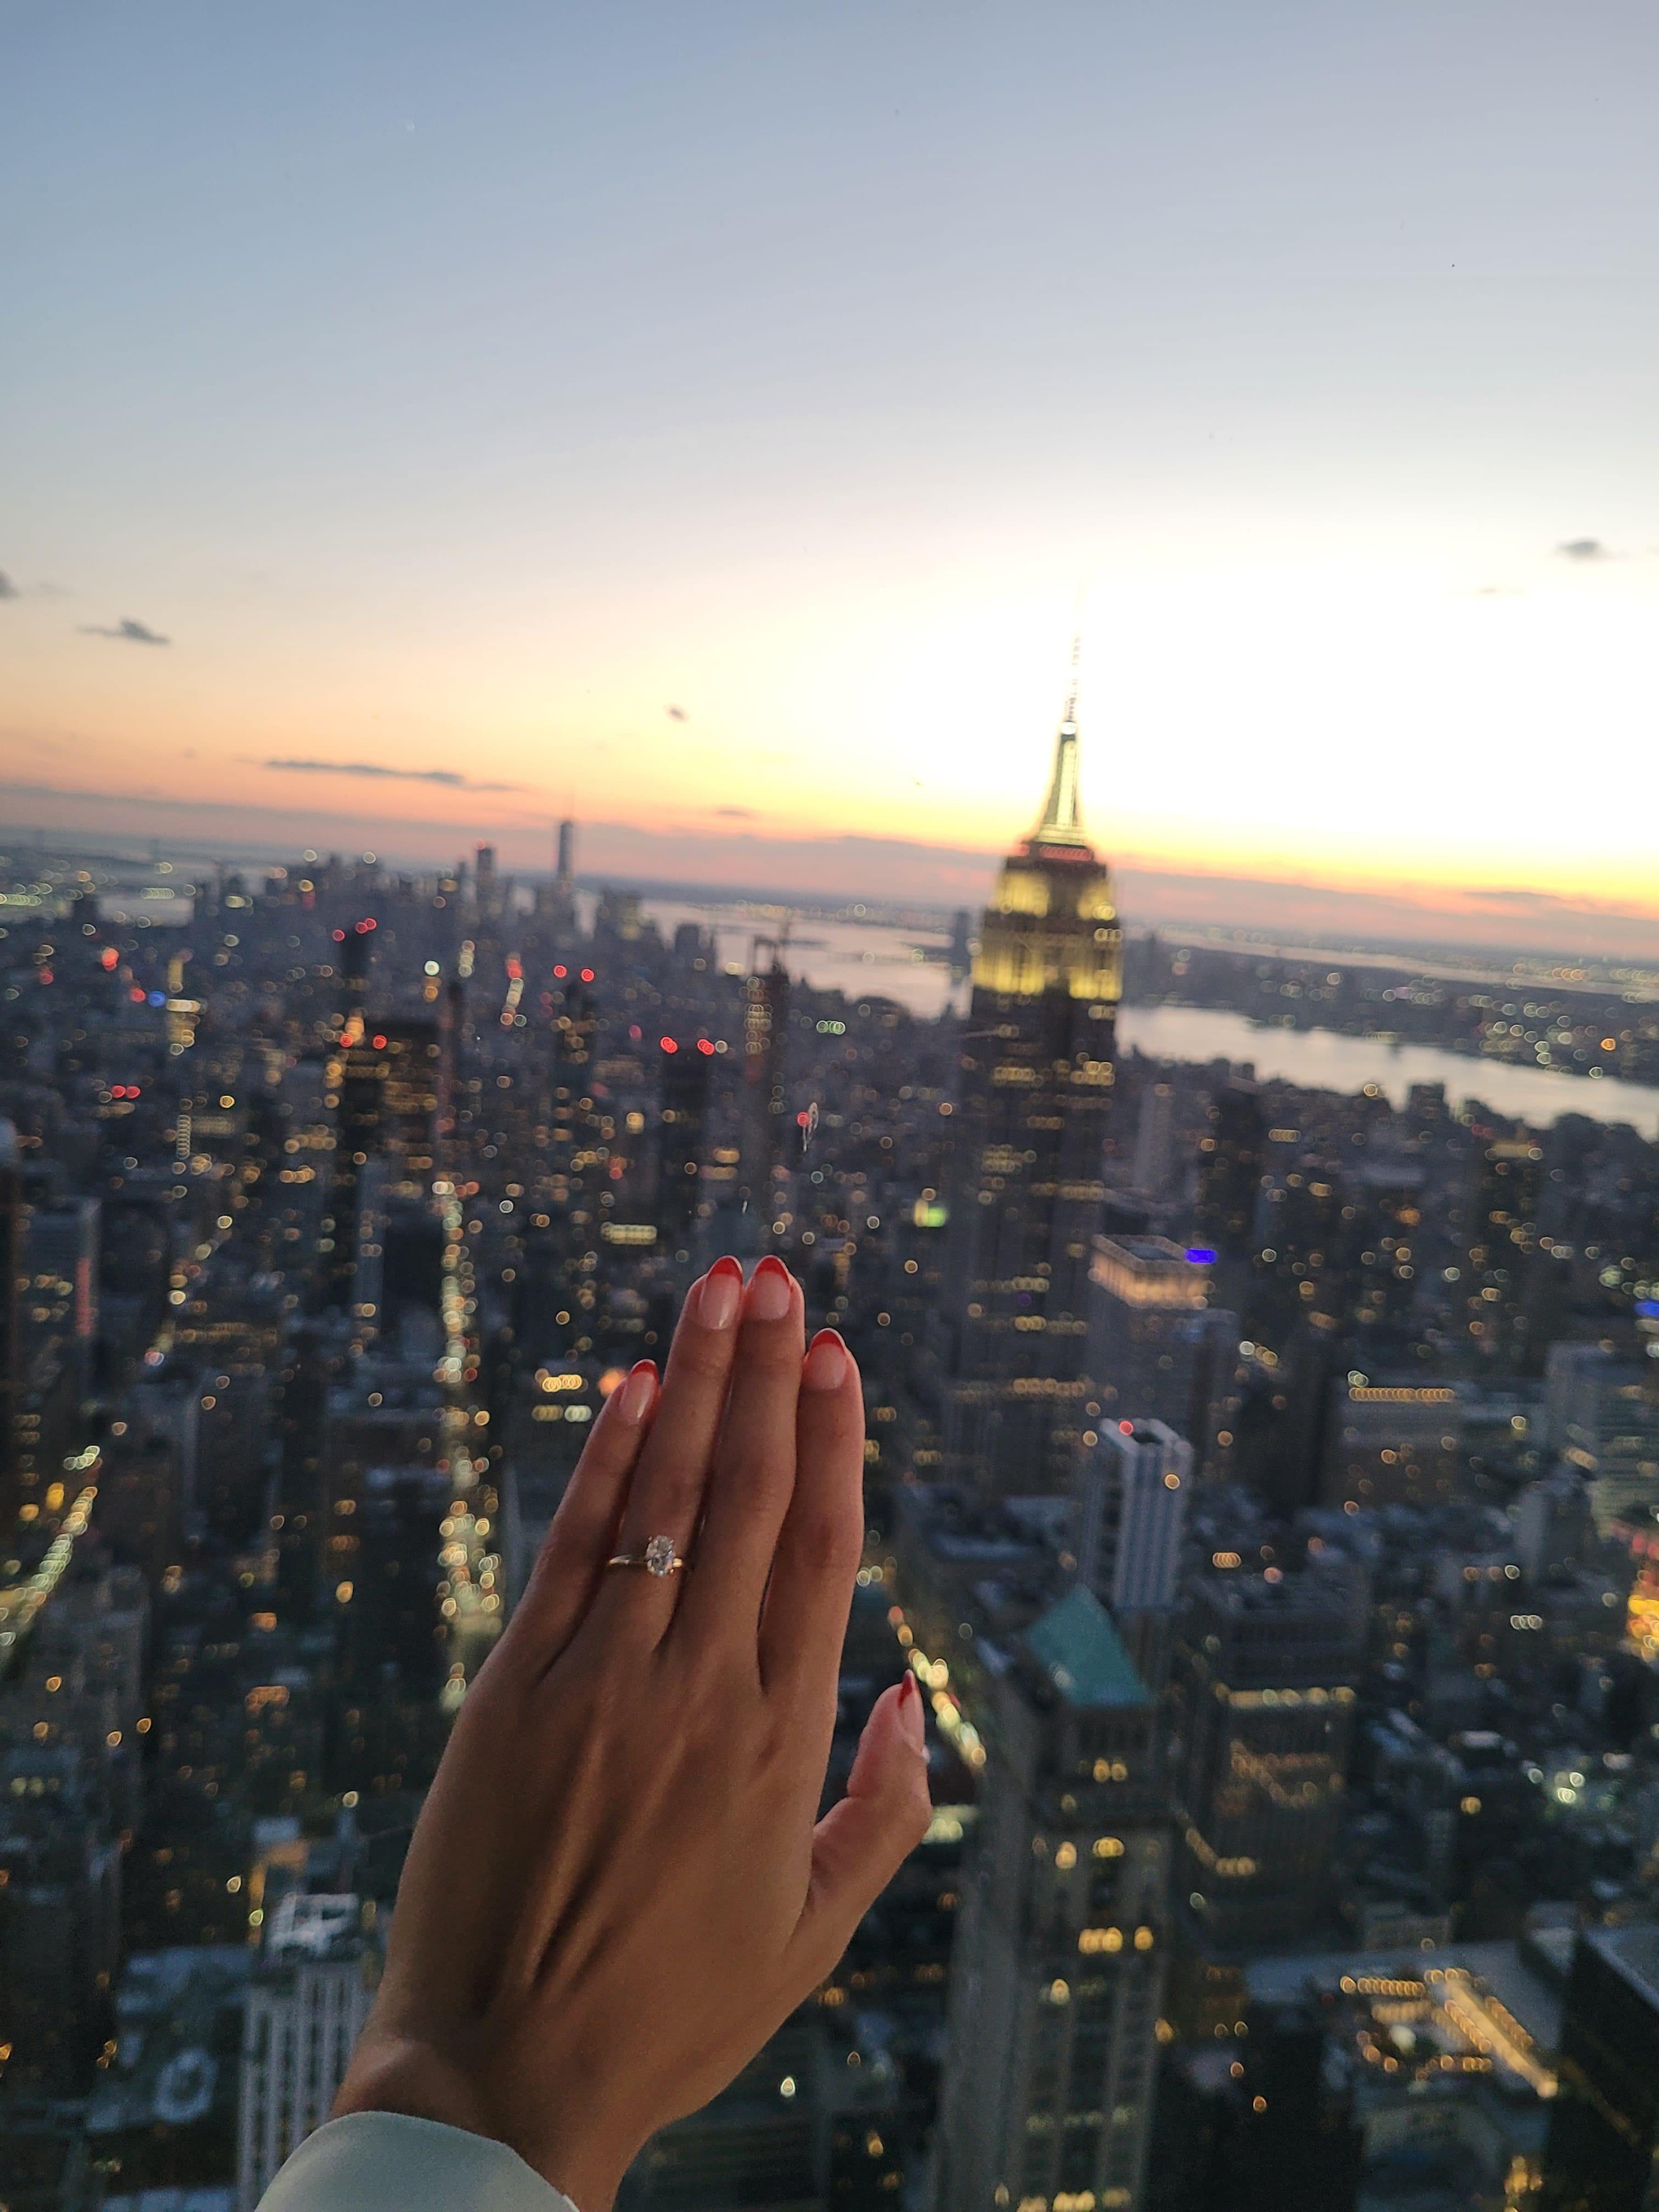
[616,1891]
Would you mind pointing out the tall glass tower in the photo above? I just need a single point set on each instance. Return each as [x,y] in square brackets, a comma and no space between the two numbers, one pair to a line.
[1035,1091]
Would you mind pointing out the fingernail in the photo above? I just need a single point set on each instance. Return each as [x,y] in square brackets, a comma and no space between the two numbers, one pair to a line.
[911,1713]
[637,1395]
[721,1295]
[770,1292]
[826,1363]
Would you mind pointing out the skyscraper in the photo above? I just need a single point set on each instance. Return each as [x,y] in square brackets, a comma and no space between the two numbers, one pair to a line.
[306,2006]
[683,1134]
[385,1078]
[1156,1350]
[765,1015]
[1058,1962]
[1133,1485]
[1508,1183]
[1230,1161]
[1604,2130]
[1036,1072]
[1262,1704]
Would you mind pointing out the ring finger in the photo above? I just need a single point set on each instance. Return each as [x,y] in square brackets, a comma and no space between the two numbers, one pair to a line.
[665,1498]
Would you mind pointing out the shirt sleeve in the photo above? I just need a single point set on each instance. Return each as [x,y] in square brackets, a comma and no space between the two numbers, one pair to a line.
[388,2162]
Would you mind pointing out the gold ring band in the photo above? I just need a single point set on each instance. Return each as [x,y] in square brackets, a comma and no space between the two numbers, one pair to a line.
[659,1558]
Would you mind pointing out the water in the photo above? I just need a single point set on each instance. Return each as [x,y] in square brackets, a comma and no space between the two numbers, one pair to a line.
[1321,1060]
[853,957]
[858,957]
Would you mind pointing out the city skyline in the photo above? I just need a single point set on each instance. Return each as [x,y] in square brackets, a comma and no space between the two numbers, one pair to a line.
[407,458]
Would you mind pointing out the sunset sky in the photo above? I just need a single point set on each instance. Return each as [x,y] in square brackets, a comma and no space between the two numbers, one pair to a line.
[712,418]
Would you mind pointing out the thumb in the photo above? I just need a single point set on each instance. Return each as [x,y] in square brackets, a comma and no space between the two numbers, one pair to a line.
[861,1843]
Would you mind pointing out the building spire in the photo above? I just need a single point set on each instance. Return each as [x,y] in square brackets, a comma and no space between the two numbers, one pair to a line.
[1060,824]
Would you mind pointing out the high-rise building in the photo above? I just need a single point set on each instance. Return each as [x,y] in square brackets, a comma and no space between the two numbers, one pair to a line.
[1133,1484]
[487,888]
[1154,1138]
[1604,2127]
[765,1021]
[1058,1969]
[385,1078]
[1156,1350]
[1229,1168]
[306,2006]
[1262,1704]
[11,1326]
[1377,1250]
[1603,1420]
[555,902]
[1503,1241]
[683,1135]
[1035,1087]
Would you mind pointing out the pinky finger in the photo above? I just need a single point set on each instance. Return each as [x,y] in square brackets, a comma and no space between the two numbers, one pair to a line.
[584,1529]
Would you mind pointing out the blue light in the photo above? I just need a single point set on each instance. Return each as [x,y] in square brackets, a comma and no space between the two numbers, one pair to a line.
[1648,1308]
[1200,1255]
[158,997]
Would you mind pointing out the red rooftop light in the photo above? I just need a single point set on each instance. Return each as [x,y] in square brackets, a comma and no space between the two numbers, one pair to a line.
[587,974]
[668,1044]
[561,972]
[703,1045]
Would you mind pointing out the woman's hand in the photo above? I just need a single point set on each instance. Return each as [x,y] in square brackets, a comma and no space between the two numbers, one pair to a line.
[616,1891]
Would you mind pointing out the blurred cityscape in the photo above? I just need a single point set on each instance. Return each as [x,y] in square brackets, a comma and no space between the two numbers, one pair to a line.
[1262,1482]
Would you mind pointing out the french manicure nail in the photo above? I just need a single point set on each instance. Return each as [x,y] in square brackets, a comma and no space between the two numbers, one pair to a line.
[637,1395]
[770,1292]
[721,1295]
[911,1711]
[826,1363]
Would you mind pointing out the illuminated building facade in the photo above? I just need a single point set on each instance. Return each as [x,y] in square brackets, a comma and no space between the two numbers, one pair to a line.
[683,1135]
[1391,1444]
[765,1020]
[386,1077]
[1503,1246]
[306,2006]
[1604,2130]
[1035,1092]
[1262,1715]
[1133,1484]
[1156,1350]
[11,1326]
[1230,1160]
[1058,1970]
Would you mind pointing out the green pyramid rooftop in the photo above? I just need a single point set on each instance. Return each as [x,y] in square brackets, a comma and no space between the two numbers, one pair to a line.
[1077,1648]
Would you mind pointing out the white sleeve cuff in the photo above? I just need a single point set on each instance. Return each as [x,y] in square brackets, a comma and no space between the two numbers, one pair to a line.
[388,2162]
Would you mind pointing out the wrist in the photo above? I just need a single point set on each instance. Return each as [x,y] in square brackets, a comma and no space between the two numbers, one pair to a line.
[406,2075]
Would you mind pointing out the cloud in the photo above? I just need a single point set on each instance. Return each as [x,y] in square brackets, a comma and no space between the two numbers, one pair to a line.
[129,632]
[1584,549]
[677,713]
[8,589]
[735,813]
[445,775]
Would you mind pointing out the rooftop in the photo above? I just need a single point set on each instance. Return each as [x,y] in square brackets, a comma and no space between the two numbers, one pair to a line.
[1077,1648]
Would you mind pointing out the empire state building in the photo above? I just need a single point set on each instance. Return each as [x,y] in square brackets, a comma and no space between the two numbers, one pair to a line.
[1026,1189]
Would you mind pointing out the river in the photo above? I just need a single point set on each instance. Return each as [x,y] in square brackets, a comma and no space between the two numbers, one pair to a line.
[894,963]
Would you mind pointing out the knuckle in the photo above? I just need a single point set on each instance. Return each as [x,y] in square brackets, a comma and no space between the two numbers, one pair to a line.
[701,1355]
[835,1538]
